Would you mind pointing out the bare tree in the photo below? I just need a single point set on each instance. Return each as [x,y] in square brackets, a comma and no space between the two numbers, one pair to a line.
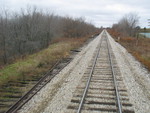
[132,19]
[32,30]
[127,25]
[3,34]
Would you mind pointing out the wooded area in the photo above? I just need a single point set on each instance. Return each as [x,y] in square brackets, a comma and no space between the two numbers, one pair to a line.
[127,25]
[31,30]
[126,32]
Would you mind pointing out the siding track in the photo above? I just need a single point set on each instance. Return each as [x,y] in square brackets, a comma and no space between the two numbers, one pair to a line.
[40,84]
[101,88]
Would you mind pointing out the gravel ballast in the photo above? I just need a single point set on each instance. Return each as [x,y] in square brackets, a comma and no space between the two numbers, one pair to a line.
[56,95]
[136,78]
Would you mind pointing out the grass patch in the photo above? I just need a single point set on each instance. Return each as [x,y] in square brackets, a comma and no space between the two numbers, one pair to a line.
[140,48]
[41,62]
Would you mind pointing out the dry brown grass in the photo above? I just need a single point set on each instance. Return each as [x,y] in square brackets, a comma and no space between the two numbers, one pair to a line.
[41,62]
[140,48]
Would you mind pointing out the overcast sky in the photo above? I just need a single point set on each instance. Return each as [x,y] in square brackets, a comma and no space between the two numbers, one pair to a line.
[99,12]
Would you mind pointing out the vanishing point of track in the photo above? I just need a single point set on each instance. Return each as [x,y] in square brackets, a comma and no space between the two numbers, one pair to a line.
[101,88]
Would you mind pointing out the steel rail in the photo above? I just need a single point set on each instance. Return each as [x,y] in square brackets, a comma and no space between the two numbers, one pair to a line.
[25,98]
[89,79]
[114,79]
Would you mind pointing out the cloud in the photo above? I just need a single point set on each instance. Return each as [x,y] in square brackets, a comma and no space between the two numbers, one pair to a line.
[100,12]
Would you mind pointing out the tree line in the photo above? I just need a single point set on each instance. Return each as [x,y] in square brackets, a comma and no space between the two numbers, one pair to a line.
[128,25]
[31,30]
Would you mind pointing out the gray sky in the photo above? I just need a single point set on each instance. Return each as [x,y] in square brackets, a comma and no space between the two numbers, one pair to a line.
[99,12]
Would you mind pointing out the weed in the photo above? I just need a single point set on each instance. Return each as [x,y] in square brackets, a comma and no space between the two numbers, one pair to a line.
[140,48]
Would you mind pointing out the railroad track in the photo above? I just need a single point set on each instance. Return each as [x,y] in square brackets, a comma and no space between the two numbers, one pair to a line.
[40,84]
[101,88]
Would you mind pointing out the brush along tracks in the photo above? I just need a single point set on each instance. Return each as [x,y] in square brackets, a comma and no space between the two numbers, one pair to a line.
[40,84]
[101,88]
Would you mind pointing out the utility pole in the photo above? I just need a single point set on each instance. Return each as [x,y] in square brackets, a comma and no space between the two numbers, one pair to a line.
[148,25]
[148,22]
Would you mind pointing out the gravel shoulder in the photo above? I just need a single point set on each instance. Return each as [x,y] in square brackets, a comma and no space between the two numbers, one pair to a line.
[136,78]
[56,95]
